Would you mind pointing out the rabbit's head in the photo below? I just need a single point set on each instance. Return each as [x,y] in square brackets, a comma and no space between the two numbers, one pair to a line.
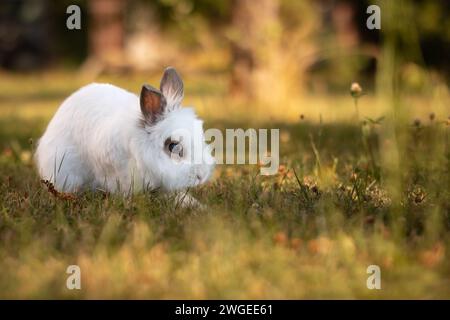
[174,145]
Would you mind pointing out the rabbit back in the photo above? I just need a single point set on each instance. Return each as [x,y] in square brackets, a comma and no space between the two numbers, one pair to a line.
[86,144]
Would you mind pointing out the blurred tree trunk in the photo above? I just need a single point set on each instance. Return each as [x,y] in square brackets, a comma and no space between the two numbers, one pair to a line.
[347,42]
[106,34]
[253,35]
[343,19]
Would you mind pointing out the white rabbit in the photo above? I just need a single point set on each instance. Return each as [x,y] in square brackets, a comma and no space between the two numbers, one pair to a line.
[104,137]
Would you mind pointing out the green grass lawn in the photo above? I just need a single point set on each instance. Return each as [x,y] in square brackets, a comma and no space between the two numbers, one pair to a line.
[347,195]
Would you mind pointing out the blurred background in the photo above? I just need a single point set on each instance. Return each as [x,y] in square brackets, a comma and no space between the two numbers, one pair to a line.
[286,47]
[285,60]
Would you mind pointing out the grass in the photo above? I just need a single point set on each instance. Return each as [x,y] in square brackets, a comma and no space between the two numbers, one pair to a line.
[311,231]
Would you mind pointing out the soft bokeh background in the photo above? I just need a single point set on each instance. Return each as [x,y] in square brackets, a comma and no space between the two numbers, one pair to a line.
[371,181]
[269,55]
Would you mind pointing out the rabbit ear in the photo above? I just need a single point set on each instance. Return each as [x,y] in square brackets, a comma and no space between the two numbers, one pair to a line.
[172,87]
[152,102]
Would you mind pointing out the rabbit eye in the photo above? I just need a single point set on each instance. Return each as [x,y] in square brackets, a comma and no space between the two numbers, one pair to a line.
[175,148]
[172,146]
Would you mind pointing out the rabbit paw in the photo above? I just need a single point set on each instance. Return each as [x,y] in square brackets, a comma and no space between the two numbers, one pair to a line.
[185,200]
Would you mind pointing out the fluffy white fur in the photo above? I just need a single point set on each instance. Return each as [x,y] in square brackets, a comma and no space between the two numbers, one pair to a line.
[98,140]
